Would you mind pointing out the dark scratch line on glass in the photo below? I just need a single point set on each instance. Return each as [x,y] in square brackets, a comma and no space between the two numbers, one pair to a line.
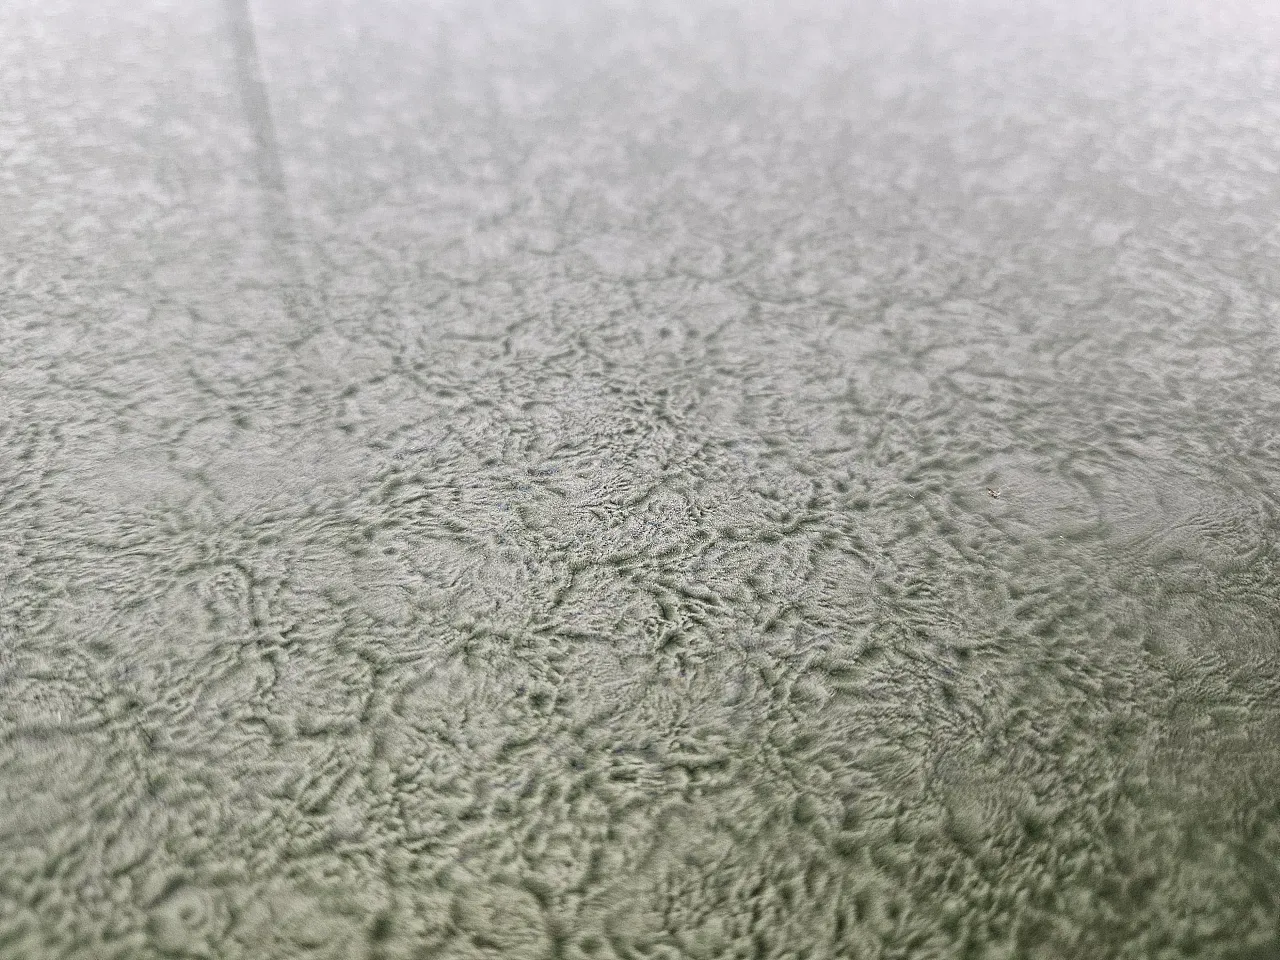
[280,222]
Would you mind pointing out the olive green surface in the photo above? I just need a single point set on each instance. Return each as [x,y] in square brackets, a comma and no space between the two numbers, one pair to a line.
[574,480]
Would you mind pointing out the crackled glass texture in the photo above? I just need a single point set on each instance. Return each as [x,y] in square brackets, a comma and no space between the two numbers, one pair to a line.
[667,480]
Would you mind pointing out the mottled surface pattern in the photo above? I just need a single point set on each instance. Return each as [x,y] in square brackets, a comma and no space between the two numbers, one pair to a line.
[689,480]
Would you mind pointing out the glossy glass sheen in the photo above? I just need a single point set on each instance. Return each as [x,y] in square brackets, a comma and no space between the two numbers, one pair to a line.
[639,480]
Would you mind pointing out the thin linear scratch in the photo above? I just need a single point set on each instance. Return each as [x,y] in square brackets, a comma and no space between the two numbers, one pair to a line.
[257,107]
[280,226]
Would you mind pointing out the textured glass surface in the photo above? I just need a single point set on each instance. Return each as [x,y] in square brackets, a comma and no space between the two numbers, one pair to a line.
[603,481]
